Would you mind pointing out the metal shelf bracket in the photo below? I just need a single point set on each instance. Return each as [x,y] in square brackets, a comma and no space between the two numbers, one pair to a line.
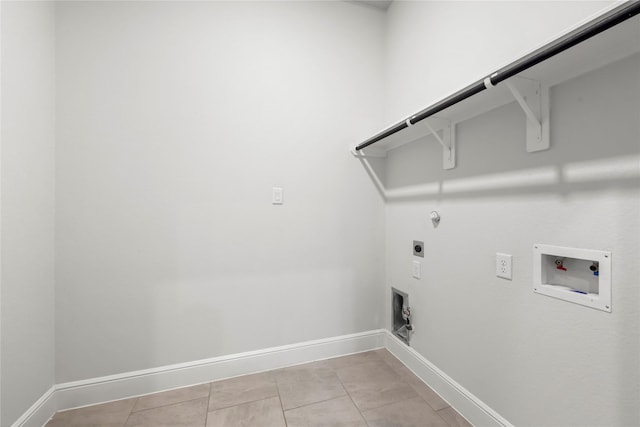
[447,141]
[533,98]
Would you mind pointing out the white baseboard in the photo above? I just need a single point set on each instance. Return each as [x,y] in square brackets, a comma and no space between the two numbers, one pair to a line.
[104,389]
[130,384]
[462,400]
[40,412]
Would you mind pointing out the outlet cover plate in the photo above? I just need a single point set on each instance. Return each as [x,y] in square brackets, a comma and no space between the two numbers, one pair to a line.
[503,265]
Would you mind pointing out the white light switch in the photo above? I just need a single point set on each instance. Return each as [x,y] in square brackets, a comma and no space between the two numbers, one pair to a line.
[277,196]
[417,269]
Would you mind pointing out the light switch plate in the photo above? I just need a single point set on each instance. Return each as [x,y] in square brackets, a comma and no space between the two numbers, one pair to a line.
[277,197]
[417,269]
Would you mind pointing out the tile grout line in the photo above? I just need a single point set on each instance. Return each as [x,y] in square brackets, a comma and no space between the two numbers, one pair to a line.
[314,381]
[248,402]
[450,425]
[402,377]
[319,401]
[437,411]
[277,394]
[284,417]
[331,368]
[130,412]
[168,404]
[351,398]
[165,406]
[242,403]
[206,414]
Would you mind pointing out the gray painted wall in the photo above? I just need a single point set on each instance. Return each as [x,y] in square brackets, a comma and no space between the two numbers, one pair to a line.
[167,246]
[27,324]
[533,359]
[174,122]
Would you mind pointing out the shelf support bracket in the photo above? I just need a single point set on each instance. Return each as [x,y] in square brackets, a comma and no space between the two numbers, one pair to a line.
[370,152]
[447,141]
[534,101]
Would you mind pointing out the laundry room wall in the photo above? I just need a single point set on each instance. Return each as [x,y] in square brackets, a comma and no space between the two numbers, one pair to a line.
[175,120]
[27,206]
[533,359]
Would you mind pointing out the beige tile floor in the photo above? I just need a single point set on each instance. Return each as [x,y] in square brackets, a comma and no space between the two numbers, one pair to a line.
[366,389]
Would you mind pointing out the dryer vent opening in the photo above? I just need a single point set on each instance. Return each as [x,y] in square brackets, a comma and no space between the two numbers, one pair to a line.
[400,315]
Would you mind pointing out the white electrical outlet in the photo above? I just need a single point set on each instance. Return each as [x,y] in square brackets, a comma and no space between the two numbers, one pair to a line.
[503,265]
[417,269]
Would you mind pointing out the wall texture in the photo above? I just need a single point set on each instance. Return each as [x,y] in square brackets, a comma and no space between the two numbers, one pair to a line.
[435,48]
[533,359]
[27,214]
[175,119]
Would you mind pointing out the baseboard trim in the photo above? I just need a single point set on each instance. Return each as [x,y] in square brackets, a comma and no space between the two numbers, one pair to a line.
[40,412]
[462,400]
[137,383]
[130,384]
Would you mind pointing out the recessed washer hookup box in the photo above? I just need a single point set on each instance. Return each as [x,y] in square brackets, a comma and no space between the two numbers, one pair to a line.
[580,276]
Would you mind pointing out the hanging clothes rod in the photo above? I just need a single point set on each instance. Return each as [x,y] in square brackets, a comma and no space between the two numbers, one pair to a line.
[610,19]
